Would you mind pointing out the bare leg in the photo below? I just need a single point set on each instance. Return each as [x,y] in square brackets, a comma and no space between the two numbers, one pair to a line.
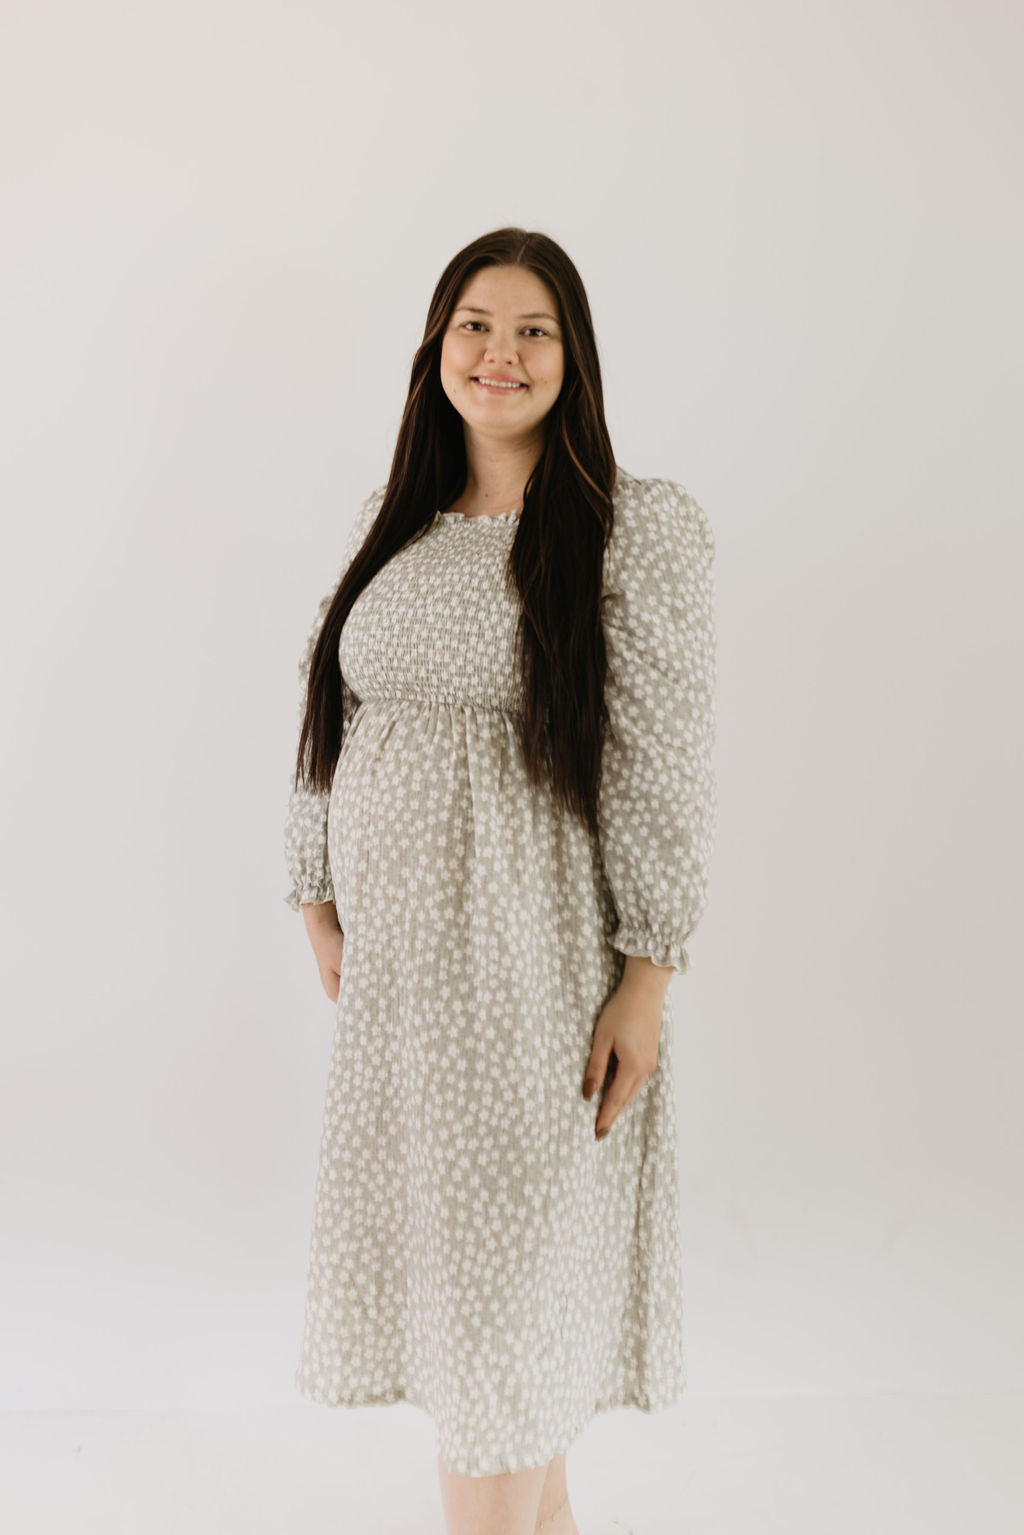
[533,1502]
[554,1516]
[505,1504]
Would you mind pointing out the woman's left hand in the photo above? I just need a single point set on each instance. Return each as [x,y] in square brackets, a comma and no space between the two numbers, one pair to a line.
[630,1025]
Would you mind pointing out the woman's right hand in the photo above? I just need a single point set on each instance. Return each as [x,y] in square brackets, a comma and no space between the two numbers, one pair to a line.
[328,942]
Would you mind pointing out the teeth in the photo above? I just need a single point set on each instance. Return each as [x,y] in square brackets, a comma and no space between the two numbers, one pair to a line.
[494,383]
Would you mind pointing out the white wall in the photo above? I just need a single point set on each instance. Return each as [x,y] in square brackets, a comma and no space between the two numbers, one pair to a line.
[800,231]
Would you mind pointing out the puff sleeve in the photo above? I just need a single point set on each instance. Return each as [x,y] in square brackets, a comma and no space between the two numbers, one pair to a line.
[305,827]
[657,802]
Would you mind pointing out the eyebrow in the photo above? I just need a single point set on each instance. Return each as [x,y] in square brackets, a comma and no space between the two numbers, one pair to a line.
[471,309]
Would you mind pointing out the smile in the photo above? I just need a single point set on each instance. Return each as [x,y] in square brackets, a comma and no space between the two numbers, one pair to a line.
[493,385]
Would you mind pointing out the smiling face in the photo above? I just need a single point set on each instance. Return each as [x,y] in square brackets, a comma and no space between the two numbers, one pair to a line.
[504,328]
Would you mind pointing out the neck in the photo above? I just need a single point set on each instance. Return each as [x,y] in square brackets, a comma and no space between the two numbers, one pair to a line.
[496,473]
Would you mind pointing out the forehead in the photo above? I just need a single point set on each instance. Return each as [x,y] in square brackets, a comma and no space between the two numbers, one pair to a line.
[508,289]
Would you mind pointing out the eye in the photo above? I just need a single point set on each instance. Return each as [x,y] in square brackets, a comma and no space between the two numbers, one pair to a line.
[538,328]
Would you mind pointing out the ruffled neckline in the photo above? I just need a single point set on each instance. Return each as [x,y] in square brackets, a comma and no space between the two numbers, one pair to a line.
[461,517]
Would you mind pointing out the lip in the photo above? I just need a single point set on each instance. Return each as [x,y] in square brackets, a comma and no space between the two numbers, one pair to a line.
[483,382]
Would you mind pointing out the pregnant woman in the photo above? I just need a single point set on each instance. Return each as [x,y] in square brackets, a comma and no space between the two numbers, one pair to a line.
[498,834]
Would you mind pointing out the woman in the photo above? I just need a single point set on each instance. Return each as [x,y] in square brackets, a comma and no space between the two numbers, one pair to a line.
[498,835]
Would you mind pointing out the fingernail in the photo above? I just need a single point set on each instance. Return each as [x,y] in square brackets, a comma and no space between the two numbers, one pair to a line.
[602,1133]
[589,1087]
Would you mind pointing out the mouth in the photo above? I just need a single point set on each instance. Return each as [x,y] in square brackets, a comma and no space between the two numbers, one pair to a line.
[494,386]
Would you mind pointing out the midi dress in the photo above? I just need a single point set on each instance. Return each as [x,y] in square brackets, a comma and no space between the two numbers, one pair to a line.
[475,1250]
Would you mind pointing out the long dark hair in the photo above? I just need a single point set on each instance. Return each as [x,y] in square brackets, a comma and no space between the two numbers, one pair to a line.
[556,559]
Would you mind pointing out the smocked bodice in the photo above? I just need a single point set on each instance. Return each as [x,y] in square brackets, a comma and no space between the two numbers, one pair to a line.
[455,640]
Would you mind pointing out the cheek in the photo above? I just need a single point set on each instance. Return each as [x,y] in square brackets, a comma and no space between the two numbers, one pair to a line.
[554,373]
[456,351]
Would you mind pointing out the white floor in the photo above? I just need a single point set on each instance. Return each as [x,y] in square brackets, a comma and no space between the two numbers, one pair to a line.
[872,1465]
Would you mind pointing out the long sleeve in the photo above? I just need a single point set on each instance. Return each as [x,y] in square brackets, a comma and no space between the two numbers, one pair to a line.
[657,804]
[305,827]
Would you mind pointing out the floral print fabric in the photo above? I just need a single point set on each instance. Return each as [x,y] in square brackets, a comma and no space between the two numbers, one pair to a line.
[474,1250]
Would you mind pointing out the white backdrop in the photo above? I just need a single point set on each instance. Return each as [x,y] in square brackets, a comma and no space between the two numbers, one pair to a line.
[800,231]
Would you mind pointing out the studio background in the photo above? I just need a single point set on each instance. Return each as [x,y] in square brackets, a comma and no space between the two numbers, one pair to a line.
[800,231]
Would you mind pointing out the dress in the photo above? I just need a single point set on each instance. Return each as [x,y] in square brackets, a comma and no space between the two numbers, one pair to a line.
[475,1250]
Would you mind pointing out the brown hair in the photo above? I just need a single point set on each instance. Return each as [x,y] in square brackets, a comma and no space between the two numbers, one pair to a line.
[556,559]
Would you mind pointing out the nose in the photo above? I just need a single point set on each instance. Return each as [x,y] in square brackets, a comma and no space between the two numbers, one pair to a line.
[500,346]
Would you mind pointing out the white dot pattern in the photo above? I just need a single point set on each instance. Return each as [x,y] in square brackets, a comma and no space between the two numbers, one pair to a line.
[475,1251]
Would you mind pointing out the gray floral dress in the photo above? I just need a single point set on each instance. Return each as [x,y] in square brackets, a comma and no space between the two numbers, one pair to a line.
[475,1250]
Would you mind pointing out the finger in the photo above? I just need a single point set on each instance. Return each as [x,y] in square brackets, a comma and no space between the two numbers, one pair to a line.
[623,1092]
[597,1067]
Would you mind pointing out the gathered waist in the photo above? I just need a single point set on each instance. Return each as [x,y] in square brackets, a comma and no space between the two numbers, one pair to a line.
[397,700]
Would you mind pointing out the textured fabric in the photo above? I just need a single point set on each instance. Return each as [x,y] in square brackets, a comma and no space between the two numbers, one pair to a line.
[475,1250]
